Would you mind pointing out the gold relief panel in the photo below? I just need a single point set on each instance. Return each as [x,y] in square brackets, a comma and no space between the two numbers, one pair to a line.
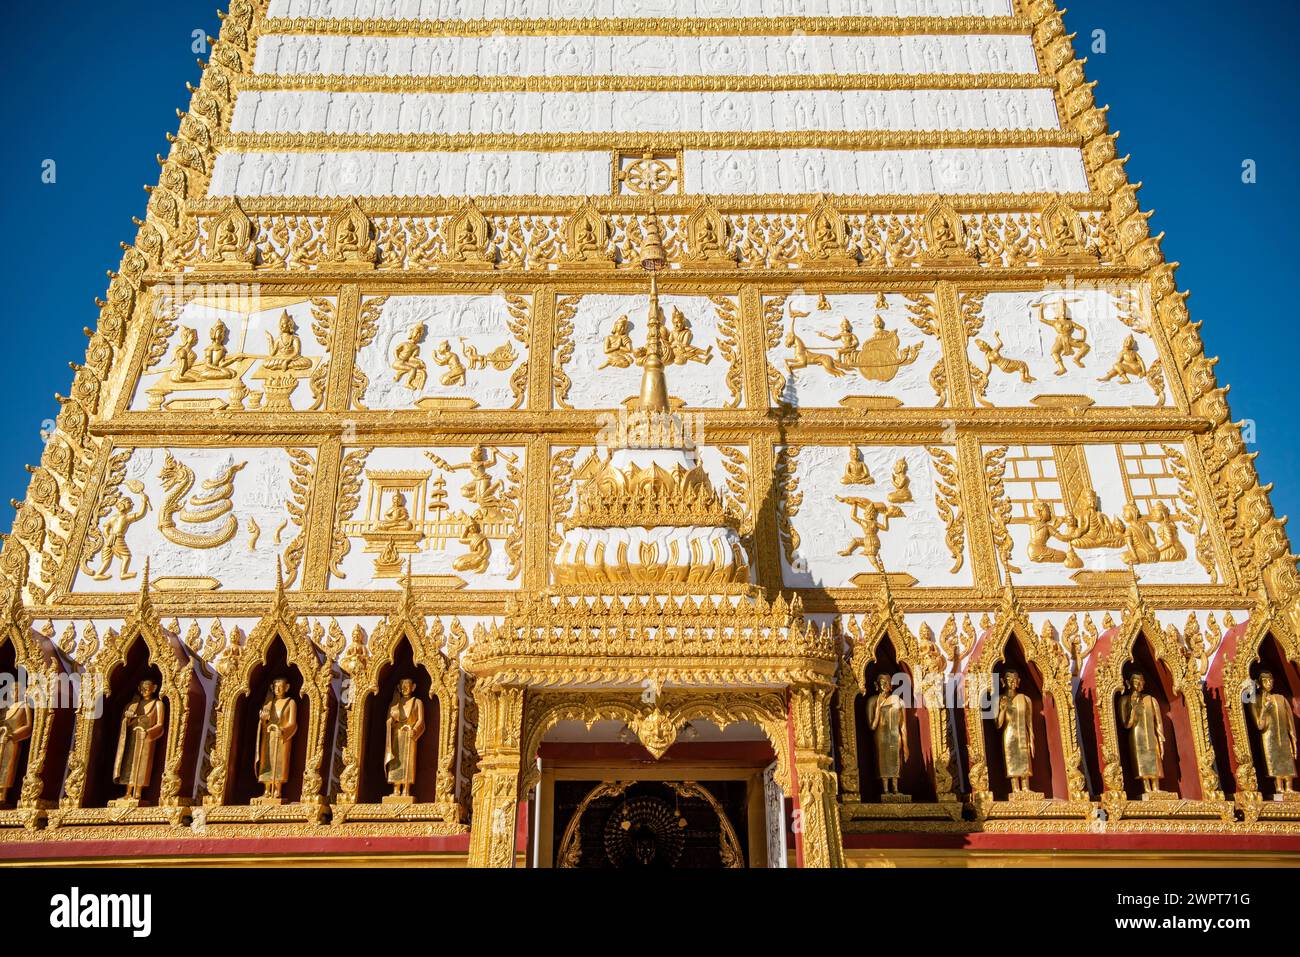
[207,518]
[1095,514]
[860,351]
[600,346]
[236,350]
[850,515]
[456,352]
[1070,348]
[453,515]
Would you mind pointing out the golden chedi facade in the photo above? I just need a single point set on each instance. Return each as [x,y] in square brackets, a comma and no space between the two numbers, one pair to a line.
[710,433]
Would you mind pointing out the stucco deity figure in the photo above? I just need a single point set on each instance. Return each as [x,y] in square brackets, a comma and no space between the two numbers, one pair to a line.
[285,349]
[856,472]
[873,518]
[1275,721]
[1141,716]
[184,357]
[1167,540]
[406,359]
[398,516]
[618,345]
[902,492]
[1128,364]
[680,340]
[142,726]
[114,533]
[886,714]
[1042,527]
[15,728]
[444,356]
[1140,541]
[216,364]
[1071,338]
[1015,719]
[277,723]
[480,549]
[848,341]
[405,726]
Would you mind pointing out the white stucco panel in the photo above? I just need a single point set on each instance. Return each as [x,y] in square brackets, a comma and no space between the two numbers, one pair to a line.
[1108,503]
[701,333]
[207,519]
[317,111]
[606,9]
[591,55]
[916,542]
[467,357]
[452,512]
[882,355]
[1026,327]
[238,354]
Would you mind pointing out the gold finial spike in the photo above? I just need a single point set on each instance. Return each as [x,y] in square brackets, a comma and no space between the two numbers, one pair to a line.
[654,385]
[142,598]
[279,582]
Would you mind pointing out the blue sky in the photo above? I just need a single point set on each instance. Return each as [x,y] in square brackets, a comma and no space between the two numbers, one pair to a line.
[1195,88]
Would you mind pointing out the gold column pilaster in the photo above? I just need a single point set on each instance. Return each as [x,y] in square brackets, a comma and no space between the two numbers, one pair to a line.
[537,514]
[753,348]
[819,819]
[496,785]
[541,349]
[767,540]
[952,334]
[320,522]
[343,350]
[977,507]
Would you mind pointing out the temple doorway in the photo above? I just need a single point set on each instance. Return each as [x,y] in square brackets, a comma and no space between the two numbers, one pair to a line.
[603,802]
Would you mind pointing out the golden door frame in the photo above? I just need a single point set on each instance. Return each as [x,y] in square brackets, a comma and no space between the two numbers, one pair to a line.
[318,673]
[729,842]
[176,666]
[653,722]
[444,671]
[1248,798]
[35,654]
[1139,621]
[861,654]
[1045,654]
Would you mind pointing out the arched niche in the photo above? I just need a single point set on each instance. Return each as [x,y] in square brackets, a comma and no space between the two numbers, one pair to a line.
[34,669]
[1263,643]
[141,651]
[398,650]
[915,778]
[885,646]
[1056,765]
[278,647]
[1188,768]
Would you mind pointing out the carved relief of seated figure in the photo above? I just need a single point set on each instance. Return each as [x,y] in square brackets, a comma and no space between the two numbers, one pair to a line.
[286,349]
[397,518]
[216,364]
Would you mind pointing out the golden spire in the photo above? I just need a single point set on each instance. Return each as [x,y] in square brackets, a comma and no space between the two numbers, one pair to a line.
[654,386]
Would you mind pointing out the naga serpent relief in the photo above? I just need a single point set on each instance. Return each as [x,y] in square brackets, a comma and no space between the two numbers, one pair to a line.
[215,506]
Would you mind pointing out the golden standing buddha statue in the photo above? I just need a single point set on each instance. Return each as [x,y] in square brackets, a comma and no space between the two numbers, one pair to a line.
[142,726]
[15,728]
[277,723]
[1141,716]
[1275,721]
[885,717]
[1015,719]
[405,727]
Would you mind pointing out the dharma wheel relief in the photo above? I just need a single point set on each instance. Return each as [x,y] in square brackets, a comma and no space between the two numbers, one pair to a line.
[766,440]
